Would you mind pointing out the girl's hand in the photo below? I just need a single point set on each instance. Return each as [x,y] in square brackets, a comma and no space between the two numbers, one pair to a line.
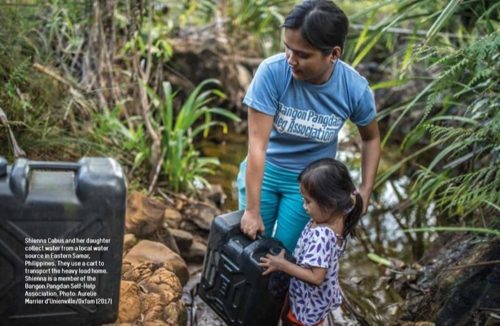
[251,224]
[273,263]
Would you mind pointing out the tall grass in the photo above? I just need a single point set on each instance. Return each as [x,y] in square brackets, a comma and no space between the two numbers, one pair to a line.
[459,106]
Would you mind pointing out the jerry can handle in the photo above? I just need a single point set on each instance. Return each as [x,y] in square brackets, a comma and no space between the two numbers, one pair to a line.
[22,168]
[274,250]
[61,166]
[3,167]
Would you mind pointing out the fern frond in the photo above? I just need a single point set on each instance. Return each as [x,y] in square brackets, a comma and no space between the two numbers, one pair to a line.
[17,77]
[470,76]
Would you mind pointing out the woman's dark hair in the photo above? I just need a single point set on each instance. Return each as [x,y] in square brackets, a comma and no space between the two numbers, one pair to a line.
[321,23]
[329,183]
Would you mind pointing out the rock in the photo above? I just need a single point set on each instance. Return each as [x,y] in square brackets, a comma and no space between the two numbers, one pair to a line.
[129,309]
[206,316]
[164,236]
[189,226]
[159,291]
[201,214]
[126,266]
[134,273]
[211,58]
[196,253]
[183,239]
[166,284]
[144,215]
[172,218]
[129,240]
[179,205]
[457,295]
[216,194]
[176,313]
[155,252]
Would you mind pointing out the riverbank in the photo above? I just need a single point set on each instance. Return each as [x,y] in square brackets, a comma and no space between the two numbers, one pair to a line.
[456,282]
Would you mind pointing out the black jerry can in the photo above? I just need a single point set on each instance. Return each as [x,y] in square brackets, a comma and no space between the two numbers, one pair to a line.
[232,283]
[61,241]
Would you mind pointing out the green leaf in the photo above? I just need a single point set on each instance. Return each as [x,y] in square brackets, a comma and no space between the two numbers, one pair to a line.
[443,18]
[379,260]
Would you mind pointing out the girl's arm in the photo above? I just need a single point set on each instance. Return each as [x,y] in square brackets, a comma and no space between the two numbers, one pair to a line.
[312,275]
[259,131]
[370,156]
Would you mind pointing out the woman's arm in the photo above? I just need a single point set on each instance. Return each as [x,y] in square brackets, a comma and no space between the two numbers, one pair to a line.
[312,275]
[259,131]
[370,157]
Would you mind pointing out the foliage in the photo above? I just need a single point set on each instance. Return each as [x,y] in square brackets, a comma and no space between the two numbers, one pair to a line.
[32,101]
[17,78]
[260,21]
[170,132]
[472,174]
[460,103]
[51,88]
[78,54]
[404,26]
[124,139]
[250,26]
[182,165]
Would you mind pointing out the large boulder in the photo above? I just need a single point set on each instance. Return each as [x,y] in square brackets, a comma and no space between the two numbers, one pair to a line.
[144,215]
[147,251]
[151,294]
[183,239]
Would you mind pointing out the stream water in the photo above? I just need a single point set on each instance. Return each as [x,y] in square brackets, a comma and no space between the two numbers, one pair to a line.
[372,300]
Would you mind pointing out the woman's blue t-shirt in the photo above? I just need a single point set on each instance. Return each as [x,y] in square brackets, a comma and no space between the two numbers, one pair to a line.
[307,117]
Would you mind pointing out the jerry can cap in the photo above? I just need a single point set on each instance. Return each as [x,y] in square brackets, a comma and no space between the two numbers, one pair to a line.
[3,166]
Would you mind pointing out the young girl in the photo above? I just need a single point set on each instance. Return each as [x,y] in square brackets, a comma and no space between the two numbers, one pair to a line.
[335,206]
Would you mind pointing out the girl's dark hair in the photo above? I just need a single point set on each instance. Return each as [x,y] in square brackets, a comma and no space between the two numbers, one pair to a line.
[321,22]
[329,183]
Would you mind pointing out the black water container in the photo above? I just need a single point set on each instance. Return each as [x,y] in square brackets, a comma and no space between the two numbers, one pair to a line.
[61,241]
[232,283]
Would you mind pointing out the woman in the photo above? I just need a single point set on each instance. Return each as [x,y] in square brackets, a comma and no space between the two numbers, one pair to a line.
[297,103]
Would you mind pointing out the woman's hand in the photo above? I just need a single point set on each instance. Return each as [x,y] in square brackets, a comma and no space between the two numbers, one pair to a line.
[251,224]
[366,199]
[272,263]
